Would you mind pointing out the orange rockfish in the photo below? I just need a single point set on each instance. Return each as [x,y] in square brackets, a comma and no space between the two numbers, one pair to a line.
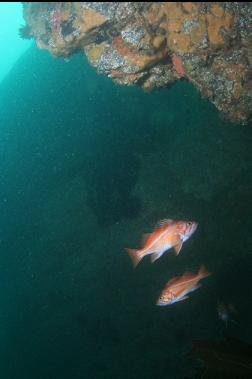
[178,288]
[167,234]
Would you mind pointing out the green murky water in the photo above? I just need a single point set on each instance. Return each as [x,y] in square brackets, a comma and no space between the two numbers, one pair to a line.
[86,168]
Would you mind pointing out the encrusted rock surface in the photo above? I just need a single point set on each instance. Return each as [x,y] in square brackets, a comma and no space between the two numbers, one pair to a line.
[154,44]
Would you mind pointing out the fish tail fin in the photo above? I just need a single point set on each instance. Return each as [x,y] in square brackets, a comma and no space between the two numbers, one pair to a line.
[203,273]
[135,255]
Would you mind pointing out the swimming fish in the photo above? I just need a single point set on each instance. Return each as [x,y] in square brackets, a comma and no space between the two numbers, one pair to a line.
[226,312]
[167,234]
[177,288]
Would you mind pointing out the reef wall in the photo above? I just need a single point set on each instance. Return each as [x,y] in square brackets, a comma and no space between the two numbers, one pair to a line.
[154,44]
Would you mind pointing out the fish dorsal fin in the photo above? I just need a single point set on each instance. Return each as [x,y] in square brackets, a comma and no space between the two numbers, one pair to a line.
[171,282]
[162,223]
[203,273]
[144,239]
[186,278]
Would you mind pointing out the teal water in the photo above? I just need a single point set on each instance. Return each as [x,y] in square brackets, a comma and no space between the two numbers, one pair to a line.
[11,45]
[86,167]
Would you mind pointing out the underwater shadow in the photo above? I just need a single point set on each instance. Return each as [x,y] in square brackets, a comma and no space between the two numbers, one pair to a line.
[110,180]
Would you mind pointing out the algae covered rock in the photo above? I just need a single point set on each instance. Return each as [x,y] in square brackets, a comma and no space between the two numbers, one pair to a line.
[154,44]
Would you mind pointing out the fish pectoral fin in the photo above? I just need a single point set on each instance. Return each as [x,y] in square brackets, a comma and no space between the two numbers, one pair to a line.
[154,257]
[145,237]
[178,247]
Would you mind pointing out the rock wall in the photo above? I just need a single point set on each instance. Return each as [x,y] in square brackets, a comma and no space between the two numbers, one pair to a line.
[154,44]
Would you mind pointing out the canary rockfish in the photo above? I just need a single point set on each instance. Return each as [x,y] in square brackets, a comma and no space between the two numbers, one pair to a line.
[178,288]
[167,234]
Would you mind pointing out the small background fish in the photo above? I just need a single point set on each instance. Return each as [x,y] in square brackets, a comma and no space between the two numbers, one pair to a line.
[226,312]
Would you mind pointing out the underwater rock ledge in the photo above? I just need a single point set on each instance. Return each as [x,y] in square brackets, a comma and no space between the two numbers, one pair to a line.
[154,44]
